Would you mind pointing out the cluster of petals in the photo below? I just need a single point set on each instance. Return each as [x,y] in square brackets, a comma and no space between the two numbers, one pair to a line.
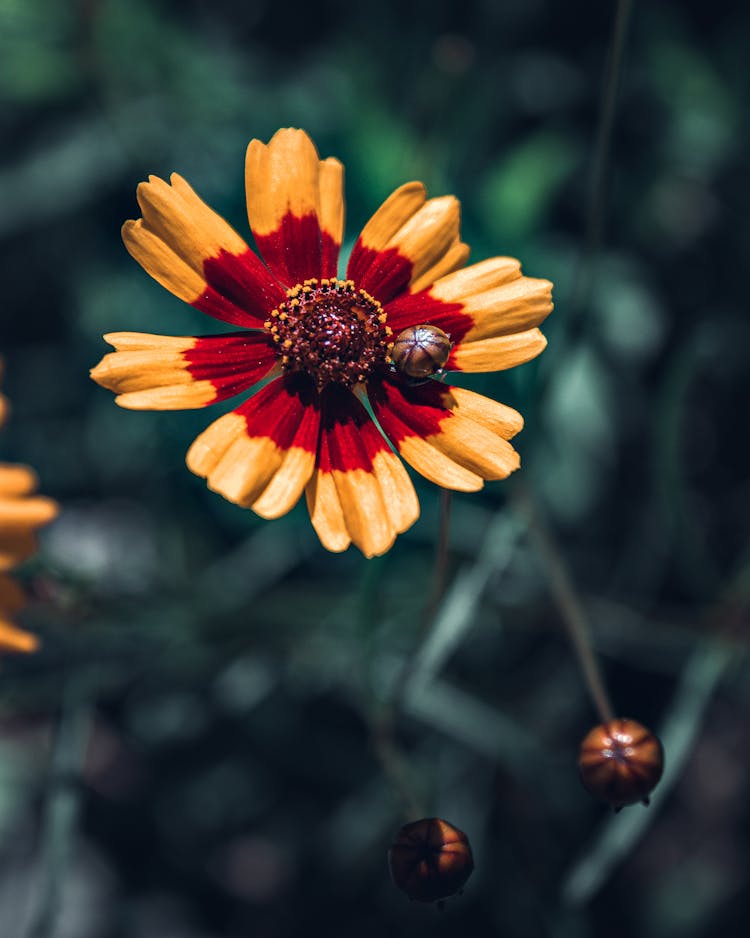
[21,513]
[309,429]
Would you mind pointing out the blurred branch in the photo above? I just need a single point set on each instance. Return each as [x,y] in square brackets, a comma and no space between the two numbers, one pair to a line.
[481,727]
[61,810]
[457,613]
[443,631]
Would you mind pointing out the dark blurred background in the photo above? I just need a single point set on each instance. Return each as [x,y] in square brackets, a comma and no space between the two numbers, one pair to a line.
[191,755]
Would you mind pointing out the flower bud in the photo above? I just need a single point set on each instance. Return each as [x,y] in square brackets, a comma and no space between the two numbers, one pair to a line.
[621,762]
[430,860]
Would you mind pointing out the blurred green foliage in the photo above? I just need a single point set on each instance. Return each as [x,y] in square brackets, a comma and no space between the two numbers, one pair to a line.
[230,670]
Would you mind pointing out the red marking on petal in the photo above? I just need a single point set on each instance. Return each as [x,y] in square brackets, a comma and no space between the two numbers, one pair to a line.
[405,411]
[240,289]
[232,363]
[384,274]
[349,438]
[416,309]
[329,255]
[286,411]
[359,260]
[293,251]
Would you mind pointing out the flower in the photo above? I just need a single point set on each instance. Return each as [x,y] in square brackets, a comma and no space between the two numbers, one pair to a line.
[21,513]
[323,344]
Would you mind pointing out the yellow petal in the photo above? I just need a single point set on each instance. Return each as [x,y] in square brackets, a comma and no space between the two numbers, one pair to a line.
[16,480]
[365,514]
[326,513]
[331,180]
[397,209]
[437,467]
[162,263]
[498,353]
[14,639]
[209,448]
[245,469]
[478,278]
[286,487]
[281,177]
[475,448]
[186,225]
[455,257]
[428,234]
[494,416]
[517,306]
[26,512]
[399,497]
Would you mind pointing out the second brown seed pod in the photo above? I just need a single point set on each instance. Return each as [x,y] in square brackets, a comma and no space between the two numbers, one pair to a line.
[621,762]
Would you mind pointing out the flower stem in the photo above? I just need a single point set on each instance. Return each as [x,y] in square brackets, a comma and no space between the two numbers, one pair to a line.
[603,147]
[440,573]
[386,748]
[568,603]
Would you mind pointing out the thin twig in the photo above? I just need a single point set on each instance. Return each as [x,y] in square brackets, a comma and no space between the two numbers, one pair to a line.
[395,767]
[568,603]
[431,607]
[441,554]
[595,213]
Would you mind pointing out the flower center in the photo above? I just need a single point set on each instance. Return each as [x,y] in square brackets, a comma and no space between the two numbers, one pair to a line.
[332,331]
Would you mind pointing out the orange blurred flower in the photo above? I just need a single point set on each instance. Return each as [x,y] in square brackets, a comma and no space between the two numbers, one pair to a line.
[21,513]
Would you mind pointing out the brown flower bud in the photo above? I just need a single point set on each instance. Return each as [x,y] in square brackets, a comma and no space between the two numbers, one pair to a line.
[430,859]
[621,762]
[420,351]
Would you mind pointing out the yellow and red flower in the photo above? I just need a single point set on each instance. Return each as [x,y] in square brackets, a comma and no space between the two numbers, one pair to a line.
[324,344]
[21,513]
